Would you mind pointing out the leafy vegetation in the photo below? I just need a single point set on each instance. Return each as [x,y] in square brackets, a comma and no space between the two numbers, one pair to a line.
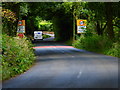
[45,36]
[17,56]
[99,44]
[10,17]
[45,25]
[93,43]
[102,34]
[114,50]
[17,53]
[102,28]
[63,15]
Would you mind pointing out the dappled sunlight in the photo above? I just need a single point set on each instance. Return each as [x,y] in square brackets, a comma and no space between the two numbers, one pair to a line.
[60,44]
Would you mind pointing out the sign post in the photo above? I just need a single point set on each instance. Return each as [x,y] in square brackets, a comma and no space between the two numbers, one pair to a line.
[81,26]
[21,28]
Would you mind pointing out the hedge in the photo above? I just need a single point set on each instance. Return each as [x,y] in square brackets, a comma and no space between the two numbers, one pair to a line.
[17,56]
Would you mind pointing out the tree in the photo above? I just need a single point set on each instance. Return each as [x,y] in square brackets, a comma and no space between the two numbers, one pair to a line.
[109,19]
[11,15]
[105,13]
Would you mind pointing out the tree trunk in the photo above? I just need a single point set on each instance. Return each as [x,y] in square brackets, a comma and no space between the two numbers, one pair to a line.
[99,32]
[16,9]
[109,18]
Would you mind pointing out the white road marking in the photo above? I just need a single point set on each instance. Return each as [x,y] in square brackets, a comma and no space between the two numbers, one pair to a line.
[79,74]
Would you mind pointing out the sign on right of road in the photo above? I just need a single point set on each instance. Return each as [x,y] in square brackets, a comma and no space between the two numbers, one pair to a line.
[81,29]
[81,25]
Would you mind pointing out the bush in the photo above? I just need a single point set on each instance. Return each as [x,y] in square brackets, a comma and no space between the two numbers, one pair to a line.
[17,56]
[114,50]
[99,44]
[93,43]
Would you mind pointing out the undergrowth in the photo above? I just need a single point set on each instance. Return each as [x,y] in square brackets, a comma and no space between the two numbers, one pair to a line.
[17,56]
[99,44]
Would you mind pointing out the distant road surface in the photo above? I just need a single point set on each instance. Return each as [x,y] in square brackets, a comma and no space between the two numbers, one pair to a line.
[61,66]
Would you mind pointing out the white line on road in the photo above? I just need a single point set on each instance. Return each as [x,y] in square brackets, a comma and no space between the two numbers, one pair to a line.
[73,56]
[79,74]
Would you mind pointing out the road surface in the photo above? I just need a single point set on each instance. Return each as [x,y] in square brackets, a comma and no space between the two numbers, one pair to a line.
[61,66]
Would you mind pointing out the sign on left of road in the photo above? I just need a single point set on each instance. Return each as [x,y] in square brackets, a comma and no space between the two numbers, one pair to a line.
[21,26]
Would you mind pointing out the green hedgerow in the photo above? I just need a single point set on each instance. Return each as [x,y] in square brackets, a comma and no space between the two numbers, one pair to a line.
[99,44]
[17,56]
[93,43]
[114,50]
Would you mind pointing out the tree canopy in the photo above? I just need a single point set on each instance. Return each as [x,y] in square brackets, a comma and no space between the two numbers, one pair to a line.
[103,17]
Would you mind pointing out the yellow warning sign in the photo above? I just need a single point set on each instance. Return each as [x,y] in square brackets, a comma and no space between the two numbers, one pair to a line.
[81,25]
[81,22]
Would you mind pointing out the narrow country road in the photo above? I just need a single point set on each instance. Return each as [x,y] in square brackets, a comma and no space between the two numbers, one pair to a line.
[61,66]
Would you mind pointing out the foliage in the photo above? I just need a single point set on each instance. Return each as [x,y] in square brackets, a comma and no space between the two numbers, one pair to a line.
[69,42]
[23,9]
[29,37]
[17,56]
[45,36]
[51,11]
[104,15]
[45,25]
[9,15]
[8,20]
[101,18]
[45,10]
[114,50]
[36,21]
[99,44]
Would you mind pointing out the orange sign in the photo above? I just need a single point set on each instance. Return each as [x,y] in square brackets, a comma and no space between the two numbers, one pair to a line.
[21,23]
[81,22]
[81,25]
